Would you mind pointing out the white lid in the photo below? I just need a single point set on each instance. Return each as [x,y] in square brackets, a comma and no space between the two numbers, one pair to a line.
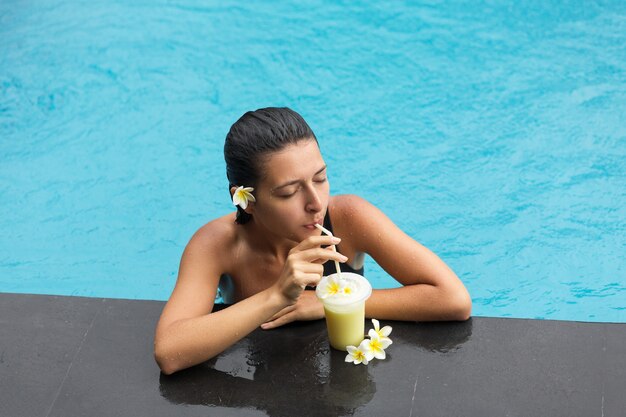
[351,288]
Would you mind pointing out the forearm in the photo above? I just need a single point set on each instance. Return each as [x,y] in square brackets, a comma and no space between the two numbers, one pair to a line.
[419,302]
[189,342]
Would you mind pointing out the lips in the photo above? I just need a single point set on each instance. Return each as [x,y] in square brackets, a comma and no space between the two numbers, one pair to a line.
[312,225]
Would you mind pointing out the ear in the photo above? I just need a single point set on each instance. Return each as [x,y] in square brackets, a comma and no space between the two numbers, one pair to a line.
[250,208]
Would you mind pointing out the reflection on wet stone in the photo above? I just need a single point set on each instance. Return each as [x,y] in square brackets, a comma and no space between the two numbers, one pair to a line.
[435,336]
[292,370]
[349,385]
[269,369]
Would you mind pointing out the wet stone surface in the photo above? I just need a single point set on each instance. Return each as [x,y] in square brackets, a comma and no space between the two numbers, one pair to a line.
[73,356]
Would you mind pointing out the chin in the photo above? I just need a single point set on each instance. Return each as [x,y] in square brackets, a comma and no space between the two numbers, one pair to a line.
[305,233]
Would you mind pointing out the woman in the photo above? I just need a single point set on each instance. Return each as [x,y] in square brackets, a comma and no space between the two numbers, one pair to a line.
[264,256]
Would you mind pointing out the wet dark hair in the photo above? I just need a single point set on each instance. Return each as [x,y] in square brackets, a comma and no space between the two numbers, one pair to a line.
[255,135]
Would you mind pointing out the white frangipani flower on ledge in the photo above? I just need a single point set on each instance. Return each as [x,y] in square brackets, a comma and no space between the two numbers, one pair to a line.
[359,354]
[242,196]
[382,333]
[376,345]
[371,348]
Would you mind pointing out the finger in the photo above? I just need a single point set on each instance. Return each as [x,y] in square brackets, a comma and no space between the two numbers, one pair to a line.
[316,241]
[311,280]
[303,279]
[281,321]
[315,254]
[311,268]
[282,312]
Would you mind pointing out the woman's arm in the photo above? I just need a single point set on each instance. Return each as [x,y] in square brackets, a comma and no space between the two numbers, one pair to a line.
[430,291]
[188,333]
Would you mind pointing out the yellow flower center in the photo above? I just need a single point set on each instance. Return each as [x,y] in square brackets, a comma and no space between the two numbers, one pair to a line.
[375,345]
[333,288]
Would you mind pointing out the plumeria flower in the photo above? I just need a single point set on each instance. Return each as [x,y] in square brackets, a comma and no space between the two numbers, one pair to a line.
[360,354]
[347,289]
[383,333]
[375,345]
[333,286]
[242,196]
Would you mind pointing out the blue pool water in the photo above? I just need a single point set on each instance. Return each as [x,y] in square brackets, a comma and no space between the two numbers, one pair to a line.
[492,132]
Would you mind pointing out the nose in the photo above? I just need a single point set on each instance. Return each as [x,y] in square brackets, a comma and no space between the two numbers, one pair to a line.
[314,203]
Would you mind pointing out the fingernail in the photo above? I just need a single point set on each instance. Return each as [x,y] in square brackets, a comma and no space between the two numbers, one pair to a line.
[335,239]
[344,258]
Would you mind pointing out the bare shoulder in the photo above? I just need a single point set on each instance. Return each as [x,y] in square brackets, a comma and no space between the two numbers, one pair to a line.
[214,239]
[350,210]
[220,230]
[201,265]
[358,222]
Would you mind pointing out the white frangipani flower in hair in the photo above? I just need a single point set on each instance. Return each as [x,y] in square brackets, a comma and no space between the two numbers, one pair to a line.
[242,196]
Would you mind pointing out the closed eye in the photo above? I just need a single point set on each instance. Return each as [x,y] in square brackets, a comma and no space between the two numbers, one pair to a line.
[319,181]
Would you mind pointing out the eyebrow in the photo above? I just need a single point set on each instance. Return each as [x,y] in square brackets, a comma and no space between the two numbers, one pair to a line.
[296,181]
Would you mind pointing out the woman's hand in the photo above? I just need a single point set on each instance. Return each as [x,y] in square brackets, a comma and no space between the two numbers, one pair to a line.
[308,307]
[304,266]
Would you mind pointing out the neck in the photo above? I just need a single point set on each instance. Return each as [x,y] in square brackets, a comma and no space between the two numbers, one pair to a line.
[268,242]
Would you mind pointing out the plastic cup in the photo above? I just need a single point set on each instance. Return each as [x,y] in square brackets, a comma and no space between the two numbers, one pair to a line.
[345,313]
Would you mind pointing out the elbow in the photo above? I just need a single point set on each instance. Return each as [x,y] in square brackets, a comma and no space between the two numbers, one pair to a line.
[167,369]
[461,308]
[165,360]
[171,360]
[464,313]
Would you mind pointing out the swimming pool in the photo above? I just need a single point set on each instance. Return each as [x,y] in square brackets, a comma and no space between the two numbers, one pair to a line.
[503,123]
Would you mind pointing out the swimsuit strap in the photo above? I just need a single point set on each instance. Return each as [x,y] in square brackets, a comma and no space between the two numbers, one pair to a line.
[329,267]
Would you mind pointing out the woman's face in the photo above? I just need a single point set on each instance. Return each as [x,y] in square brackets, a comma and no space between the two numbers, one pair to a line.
[293,193]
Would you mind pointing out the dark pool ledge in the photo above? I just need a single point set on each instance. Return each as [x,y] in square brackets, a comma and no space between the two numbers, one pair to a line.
[74,356]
